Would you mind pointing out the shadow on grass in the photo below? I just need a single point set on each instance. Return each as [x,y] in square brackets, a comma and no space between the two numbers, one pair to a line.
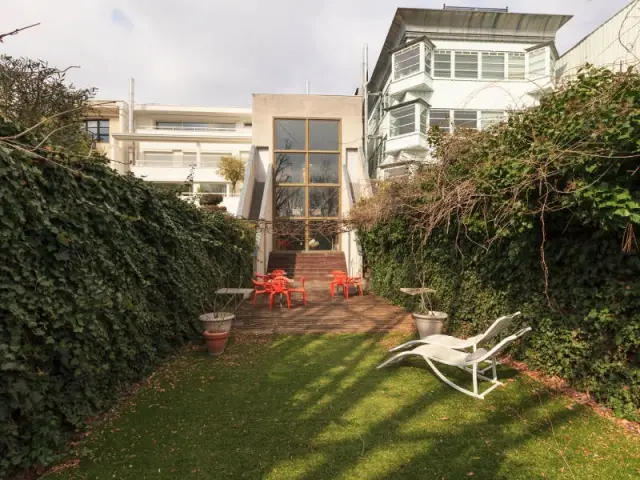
[315,407]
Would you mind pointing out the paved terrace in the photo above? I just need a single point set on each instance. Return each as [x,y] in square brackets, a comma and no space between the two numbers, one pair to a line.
[358,314]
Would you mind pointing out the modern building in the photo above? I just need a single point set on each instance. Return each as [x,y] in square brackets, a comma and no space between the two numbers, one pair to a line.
[305,172]
[173,145]
[453,68]
[615,44]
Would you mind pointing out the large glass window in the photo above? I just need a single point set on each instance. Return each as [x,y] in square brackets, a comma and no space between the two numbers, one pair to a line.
[98,130]
[492,65]
[465,119]
[307,175]
[211,160]
[466,64]
[406,62]
[403,120]
[440,118]
[156,159]
[516,66]
[442,64]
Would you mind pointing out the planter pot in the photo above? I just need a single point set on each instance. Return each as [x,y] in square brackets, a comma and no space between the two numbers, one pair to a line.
[217,322]
[216,342]
[429,324]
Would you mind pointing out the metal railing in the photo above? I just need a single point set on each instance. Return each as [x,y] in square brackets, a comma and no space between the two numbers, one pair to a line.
[190,128]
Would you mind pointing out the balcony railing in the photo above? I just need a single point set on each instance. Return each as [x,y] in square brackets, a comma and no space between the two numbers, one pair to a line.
[186,128]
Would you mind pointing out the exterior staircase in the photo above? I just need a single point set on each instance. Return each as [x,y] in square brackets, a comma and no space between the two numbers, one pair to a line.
[315,267]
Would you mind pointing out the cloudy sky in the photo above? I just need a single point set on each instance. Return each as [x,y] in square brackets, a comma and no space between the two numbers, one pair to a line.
[217,52]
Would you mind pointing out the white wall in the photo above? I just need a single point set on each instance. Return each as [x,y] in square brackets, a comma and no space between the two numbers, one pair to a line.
[603,48]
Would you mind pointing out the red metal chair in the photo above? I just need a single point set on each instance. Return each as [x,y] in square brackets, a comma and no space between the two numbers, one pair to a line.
[278,273]
[300,290]
[357,282]
[340,279]
[279,286]
[260,288]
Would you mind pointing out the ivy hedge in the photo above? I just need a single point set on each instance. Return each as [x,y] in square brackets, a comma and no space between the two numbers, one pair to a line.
[101,277]
[539,215]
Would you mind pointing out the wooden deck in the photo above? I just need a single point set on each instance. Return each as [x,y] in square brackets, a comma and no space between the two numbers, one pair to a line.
[358,314]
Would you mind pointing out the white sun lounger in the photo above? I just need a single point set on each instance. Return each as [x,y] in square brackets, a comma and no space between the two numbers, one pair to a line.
[466,361]
[461,344]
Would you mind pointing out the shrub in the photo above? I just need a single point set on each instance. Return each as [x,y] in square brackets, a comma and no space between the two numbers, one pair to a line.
[539,215]
[232,169]
[101,277]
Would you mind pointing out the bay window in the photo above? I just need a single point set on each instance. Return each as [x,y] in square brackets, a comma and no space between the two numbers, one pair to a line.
[515,66]
[537,63]
[413,58]
[403,120]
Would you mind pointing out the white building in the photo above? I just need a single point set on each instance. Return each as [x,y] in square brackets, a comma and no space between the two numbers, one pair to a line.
[615,44]
[452,68]
[170,145]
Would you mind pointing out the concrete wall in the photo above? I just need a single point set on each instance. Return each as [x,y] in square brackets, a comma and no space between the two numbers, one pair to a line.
[604,46]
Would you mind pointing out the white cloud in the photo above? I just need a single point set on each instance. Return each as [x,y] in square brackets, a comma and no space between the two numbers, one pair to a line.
[217,52]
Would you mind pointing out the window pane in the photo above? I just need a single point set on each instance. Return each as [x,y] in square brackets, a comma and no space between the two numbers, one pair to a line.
[323,168]
[323,201]
[516,66]
[290,167]
[323,135]
[289,236]
[440,118]
[489,118]
[465,119]
[290,135]
[156,159]
[290,202]
[211,160]
[423,119]
[466,64]
[537,63]
[189,158]
[493,66]
[91,124]
[213,188]
[403,120]
[323,235]
[427,59]
[442,64]
[406,62]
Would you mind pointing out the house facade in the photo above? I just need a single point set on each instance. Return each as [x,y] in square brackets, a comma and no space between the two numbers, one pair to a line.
[173,145]
[453,68]
[615,45]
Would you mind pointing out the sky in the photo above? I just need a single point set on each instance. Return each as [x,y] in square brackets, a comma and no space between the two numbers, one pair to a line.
[219,52]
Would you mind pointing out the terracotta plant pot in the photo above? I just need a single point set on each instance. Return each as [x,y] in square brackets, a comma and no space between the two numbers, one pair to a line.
[216,342]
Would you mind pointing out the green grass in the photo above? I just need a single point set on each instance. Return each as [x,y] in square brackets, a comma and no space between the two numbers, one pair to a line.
[315,407]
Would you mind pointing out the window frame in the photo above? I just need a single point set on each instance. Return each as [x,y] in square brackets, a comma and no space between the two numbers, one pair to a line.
[99,123]
[449,53]
[467,53]
[491,54]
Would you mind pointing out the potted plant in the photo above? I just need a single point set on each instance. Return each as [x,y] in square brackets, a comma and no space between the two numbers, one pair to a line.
[428,320]
[216,324]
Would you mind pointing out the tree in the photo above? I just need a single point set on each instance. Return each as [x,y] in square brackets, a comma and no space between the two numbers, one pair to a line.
[232,169]
[33,93]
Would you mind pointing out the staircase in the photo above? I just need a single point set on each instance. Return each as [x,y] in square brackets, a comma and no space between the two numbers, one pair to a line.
[315,267]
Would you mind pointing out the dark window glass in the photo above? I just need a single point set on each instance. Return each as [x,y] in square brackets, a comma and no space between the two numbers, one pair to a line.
[323,201]
[290,167]
[98,130]
[323,135]
[289,236]
[323,168]
[323,236]
[290,135]
[290,202]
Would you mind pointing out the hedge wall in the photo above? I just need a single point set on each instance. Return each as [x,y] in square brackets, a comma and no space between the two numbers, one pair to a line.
[101,277]
[539,215]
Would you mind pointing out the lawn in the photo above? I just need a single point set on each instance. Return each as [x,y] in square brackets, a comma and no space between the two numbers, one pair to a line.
[315,407]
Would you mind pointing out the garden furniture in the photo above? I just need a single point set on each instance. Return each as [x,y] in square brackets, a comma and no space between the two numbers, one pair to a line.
[279,286]
[466,361]
[260,288]
[356,282]
[340,279]
[278,273]
[300,290]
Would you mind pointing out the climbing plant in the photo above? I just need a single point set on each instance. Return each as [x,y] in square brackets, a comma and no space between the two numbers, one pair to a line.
[101,277]
[536,214]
